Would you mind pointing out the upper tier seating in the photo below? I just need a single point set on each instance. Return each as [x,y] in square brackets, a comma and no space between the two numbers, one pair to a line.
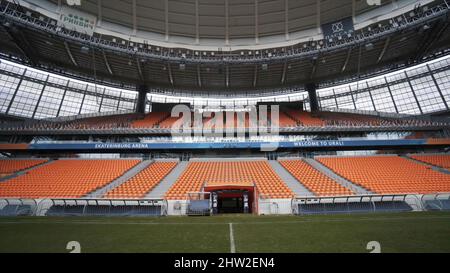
[142,183]
[10,166]
[150,120]
[289,118]
[65,178]
[388,174]
[170,121]
[286,121]
[305,118]
[197,174]
[314,180]
[103,122]
[442,161]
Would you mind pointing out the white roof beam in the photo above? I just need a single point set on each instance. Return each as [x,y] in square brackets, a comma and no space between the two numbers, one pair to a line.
[286,19]
[108,66]
[169,69]
[256,23]
[344,66]
[385,47]
[66,45]
[199,76]
[166,18]
[197,31]
[255,76]
[138,64]
[283,76]
[318,20]
[134,17]
[227,30]
[99,13]
[227,76]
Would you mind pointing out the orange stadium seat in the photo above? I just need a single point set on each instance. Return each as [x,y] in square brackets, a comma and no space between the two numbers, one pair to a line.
[142,183]
[389,174]
[305,118]
[69,178]
[104,122]
[10,166]
[260,173]
[286,121]
[313,180]
[442,161]
[150,120]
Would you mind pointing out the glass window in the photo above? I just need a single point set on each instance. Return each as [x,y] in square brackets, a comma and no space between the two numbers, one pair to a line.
[427,95]
[26,98]
[50,102]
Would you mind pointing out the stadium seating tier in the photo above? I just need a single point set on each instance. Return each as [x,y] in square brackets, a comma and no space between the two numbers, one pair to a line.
[389,174]
[314,180]
[10,166]
[268,183]
[65,178]
[442,161]
[142,183]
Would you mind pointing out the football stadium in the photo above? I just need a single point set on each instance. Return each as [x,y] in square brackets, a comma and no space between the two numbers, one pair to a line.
[225,126]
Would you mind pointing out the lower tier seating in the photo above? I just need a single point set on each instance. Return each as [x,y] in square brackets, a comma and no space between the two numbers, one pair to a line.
[260,173]
[65,178]
[142,183]
[10,166]
[314,180]
[388,174]
[442,161]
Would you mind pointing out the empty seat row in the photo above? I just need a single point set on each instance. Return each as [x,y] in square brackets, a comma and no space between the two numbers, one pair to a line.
[314,180]
[150,120]
[10,166]
[142,183]
[388,174]
[442,160]
[305,118]
[69,178]
[267,182]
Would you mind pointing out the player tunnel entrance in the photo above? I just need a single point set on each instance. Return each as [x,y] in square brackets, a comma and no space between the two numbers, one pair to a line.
[231,197]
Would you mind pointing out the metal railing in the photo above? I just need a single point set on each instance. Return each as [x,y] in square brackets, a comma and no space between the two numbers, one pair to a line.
[18,207]
[433,202]
[101,207]
[266,206]
[356,204]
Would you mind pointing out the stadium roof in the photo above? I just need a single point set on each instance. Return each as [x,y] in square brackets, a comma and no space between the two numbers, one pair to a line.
[413,32]
[226,22]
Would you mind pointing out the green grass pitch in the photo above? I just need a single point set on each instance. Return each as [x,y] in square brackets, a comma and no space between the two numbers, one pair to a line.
[396,232]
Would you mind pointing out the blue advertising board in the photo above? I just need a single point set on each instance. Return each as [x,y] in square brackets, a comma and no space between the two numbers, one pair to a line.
[226,145]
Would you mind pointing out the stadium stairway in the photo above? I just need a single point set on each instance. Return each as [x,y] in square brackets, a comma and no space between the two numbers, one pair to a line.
[339,179]
[120,180]
[2,179]
[289,180]
[168,181]
[433,167]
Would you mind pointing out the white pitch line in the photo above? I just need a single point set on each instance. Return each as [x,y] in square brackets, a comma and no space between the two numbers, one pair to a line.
[311,220]
[232,245]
